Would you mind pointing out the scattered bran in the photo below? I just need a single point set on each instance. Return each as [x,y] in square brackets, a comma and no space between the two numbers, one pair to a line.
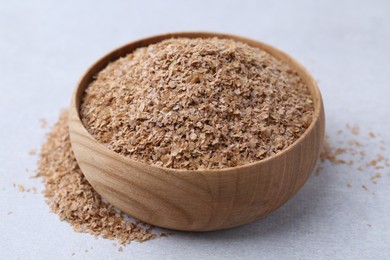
[21,188]
[357,154]
[71,197]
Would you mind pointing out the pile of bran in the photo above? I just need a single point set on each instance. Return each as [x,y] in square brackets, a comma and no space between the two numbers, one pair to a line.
[70,195]
[197,104]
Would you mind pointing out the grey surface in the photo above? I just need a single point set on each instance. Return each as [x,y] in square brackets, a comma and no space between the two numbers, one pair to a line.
[45,46]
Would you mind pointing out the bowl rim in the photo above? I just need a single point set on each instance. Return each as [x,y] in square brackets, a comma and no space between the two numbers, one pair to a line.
[146,41]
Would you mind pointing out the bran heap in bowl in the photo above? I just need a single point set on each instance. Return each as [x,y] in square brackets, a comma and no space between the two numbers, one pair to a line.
[197,104]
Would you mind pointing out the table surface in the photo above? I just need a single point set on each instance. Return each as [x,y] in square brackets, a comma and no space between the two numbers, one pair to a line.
[45,46]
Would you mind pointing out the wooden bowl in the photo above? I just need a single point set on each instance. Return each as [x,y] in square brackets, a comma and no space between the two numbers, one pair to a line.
[196,200]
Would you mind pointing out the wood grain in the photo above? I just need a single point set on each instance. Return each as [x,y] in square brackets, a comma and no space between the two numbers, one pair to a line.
[196,200]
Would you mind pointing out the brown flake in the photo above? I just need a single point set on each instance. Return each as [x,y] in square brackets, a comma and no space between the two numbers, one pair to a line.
[340,151]
[355,130]
[355,152]
[21,188]
[372,163]
[379,158]
[375,177]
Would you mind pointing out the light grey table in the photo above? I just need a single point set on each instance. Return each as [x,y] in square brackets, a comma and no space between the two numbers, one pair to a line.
[45,46]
